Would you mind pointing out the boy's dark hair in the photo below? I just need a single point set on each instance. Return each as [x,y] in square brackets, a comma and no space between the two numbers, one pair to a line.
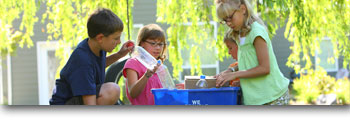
[103,21]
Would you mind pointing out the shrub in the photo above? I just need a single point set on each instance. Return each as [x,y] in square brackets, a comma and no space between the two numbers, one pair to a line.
[308,87]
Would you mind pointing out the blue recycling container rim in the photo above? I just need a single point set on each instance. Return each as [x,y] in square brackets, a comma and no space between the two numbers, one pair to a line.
[199,90]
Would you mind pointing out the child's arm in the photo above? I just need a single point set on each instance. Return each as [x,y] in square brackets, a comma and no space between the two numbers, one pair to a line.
[136,86]
[89,99]
[124,50]
[262,69]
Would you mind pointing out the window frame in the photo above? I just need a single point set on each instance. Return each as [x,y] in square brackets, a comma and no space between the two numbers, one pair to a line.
[335,59]
[42,49]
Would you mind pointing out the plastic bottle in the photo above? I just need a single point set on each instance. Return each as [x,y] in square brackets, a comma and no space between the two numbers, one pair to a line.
[201,83]
[165,77]
[150,62]
[144,57]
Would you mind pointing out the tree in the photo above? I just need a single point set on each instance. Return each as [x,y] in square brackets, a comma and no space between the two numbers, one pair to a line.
[65,22]
[11,10]
[178,12]
[306,21]
[309,21]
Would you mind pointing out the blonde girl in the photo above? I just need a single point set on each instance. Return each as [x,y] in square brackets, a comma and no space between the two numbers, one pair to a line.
[261,80]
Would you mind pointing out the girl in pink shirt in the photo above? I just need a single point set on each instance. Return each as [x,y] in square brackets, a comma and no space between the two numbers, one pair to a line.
[141,80]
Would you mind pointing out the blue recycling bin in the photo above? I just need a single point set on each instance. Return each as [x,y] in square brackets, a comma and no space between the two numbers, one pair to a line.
[211,96]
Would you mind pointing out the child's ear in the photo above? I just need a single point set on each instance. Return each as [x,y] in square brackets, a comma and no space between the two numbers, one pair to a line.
[99,37]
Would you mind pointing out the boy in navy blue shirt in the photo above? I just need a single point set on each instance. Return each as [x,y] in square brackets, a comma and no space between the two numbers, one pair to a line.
[82,78]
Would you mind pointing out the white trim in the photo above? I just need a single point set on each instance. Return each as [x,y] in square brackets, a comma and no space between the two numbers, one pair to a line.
[335,59]
[216,38]
[9,80]
[42,48]
[1,83]
[202,66]
[139,25]
[206,66]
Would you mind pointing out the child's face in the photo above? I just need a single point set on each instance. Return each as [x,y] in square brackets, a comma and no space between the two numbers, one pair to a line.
[153,46]
[111,41]
[232,49]
[236,19]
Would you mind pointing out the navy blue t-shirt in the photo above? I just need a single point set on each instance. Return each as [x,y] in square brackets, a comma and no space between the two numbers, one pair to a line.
[81,74]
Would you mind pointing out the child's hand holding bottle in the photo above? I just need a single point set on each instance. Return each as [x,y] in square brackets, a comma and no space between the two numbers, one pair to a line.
[149,72]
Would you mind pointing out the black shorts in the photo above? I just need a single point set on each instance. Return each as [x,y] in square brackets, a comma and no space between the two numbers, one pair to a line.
[78,100]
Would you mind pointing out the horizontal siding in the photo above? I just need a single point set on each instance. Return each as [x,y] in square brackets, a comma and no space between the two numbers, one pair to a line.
[281,48]
[24,77]
[24,69]
[4,80]
[145,11]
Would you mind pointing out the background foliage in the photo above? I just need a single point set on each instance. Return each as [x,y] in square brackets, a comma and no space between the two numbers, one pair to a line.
[308,87]
[65,22]
[10,37]
[306,21]
[177,13]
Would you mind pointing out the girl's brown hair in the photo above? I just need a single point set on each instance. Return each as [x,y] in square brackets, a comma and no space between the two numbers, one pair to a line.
[153,31]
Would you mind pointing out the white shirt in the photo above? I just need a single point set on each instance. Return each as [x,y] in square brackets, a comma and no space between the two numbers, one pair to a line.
[242,40]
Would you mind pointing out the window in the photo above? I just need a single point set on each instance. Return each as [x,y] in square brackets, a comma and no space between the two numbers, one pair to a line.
[209,63]
[47,66]
[326,58]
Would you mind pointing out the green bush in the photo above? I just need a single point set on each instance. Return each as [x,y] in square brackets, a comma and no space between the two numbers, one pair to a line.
[308,87]
[342,91]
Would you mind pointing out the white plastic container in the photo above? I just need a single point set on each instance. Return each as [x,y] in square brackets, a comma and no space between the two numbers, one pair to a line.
[144,57]
[165,77]
[150,62]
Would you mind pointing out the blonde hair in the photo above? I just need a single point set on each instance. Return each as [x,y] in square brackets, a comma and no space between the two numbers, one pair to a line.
[228,37]
[153,31]
[225,7]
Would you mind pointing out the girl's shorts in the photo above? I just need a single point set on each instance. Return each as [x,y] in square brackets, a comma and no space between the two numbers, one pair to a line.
[283,100]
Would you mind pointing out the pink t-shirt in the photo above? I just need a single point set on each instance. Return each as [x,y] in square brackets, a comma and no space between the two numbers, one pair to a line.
[146,96]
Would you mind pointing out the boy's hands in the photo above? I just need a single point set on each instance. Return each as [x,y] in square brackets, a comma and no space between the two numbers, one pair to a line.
[126,48]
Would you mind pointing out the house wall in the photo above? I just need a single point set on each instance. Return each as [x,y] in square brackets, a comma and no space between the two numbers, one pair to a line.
[24,68]
[281,49]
